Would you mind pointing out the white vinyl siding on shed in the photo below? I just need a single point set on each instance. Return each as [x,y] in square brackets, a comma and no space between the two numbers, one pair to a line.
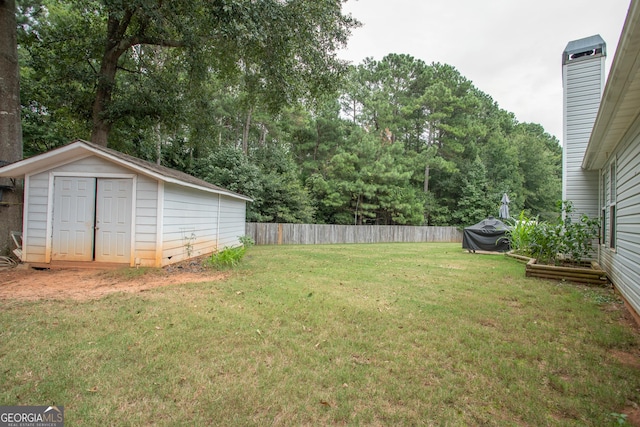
[189,223]
[622,262]
[146,221]
[35,217]
[583,86]
[92,166]
[197,222]
[232,221]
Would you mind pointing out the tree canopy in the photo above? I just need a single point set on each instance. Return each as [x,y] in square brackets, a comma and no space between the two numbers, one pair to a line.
[281,50]
[251,96]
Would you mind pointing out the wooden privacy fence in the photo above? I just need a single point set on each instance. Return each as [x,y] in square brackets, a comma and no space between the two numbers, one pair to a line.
[317,234]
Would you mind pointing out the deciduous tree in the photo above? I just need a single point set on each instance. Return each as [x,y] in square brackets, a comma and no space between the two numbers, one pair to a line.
[285,50]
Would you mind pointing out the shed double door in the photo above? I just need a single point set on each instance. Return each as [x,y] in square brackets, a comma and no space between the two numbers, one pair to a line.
[92,219]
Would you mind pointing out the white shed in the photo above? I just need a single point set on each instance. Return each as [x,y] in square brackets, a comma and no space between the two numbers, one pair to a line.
[87,203]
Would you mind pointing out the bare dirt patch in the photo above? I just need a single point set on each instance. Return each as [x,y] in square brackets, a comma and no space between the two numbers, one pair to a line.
[84,284]
[630,358]
[632,410]
[633,416]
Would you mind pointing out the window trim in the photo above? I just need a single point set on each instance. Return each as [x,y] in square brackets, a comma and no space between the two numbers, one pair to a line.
[604,212]
[612,241]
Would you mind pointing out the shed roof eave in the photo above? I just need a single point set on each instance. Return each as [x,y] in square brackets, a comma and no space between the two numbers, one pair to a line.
[20,168]
[208,190]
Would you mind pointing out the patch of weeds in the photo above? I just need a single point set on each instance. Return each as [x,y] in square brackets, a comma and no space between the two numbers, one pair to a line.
[602,297]
[230,257]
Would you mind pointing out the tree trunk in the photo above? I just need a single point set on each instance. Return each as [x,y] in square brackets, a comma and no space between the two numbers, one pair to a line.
[354,111]
[158,145]
[263,135]
[106,83]
[10,126]
[317,146]
[245,131]
[355,214]
[117,44]
[426,178]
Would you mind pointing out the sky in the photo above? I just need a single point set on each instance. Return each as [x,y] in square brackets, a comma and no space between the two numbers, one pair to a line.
[510,49]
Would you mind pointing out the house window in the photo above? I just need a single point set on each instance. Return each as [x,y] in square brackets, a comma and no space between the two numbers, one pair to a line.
[603,226]
[604,211]
[612,204]
[612,226]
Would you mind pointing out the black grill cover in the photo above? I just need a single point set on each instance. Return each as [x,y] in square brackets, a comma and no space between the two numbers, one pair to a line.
[487,235]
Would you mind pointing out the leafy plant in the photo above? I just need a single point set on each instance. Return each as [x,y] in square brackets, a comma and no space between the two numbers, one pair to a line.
[550,241]
[247,241]
[521,234]
[547,242]
[231,257]
[621,419]
[227,258]
[564,238]
[578,235]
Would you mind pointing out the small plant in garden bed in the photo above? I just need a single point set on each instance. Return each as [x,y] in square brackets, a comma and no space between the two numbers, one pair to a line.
[231,257]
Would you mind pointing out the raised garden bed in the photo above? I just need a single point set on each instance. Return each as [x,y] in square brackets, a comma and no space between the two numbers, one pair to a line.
[590,273]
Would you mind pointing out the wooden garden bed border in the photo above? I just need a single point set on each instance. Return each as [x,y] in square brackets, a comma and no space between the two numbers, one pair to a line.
[591,275]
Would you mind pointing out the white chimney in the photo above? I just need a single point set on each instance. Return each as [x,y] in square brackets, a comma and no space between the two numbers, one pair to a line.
[583,83]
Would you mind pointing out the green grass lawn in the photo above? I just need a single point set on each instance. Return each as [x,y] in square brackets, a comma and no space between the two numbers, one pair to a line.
[386,334]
